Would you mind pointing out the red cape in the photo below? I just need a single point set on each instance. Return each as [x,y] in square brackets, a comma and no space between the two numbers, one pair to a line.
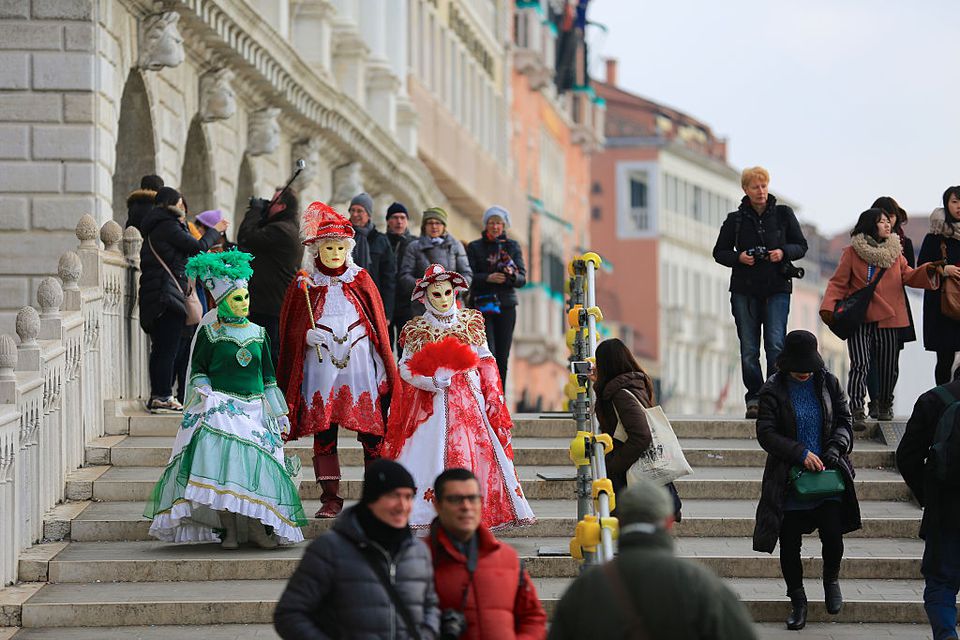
[294,323]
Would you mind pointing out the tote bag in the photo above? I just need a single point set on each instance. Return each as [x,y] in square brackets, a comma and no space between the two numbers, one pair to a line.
[949,291]
[663,462]
[849,313]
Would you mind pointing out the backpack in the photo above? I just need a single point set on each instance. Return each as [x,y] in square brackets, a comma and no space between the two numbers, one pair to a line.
[943,458]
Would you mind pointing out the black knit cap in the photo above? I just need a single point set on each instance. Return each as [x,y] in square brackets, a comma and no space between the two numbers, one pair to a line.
[799,353]
[167,196]
[383,476]
[397,207]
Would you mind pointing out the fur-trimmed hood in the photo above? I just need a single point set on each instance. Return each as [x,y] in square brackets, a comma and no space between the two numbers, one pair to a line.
[882,254]
[939,226]
[148,196]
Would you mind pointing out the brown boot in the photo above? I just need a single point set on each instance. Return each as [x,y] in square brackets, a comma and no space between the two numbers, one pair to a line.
[327,468]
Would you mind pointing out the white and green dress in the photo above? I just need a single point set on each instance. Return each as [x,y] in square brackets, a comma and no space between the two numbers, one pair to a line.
[228,454]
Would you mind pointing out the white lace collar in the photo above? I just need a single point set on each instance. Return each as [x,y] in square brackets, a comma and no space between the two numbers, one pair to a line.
[321,279]
[438,319]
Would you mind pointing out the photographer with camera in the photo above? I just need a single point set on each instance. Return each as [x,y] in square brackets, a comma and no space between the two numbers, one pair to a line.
[271,232]
[759,241]
[483,589]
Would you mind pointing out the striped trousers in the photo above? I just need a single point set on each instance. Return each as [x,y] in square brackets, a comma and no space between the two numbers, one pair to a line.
[880,347]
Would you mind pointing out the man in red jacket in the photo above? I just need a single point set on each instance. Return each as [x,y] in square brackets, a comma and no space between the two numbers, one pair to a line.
[480,581]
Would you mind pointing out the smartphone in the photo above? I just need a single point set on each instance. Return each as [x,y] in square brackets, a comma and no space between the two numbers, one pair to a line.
[581,367]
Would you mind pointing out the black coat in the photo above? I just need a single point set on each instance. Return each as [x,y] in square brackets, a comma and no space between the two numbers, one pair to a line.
[940,333]
[139,204]
[908,333]
[380,263]
[335,593]
[777,433]
[941,509]
[777,228]
[484,255]
[402,309]
[277,252]
[162,229]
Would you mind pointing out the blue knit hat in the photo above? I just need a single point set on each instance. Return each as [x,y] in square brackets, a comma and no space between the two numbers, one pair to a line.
[499,212]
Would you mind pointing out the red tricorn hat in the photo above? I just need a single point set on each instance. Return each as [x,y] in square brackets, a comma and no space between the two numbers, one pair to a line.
[436,273]
[321,221]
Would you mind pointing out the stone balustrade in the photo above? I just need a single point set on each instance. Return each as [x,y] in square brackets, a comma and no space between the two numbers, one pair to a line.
[83,349]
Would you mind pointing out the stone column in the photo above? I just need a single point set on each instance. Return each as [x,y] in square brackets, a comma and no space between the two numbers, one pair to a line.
[312,33]
[349,62]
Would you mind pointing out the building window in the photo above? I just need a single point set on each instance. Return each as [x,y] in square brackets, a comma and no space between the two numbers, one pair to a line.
[696,204]
[596,188]
[639,209]
[595,213]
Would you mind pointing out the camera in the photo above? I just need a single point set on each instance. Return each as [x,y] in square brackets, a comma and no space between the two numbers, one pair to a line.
[789,270]
[452,624]
[261,205]
[759,253]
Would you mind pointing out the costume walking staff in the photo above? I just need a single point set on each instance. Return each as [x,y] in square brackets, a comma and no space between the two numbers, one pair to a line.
[335,357]
[228,471]
[450,410]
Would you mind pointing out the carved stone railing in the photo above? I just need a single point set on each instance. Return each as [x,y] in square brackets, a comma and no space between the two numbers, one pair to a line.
[81,349]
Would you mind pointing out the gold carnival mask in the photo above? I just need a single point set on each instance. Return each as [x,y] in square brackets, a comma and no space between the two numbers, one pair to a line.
[332,252]
[440,295]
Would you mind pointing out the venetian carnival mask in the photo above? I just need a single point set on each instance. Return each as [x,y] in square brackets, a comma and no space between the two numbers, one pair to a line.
[332,252]
[440,295]
[236,304]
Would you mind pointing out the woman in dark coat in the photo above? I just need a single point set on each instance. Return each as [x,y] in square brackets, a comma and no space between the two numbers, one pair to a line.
[804,422]
[162,307]
[622,386]
[940,333]
[498,271]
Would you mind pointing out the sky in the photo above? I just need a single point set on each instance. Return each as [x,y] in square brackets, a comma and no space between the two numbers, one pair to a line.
[842,101]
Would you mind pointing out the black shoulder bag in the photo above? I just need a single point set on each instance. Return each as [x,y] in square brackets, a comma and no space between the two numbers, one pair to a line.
[391,590]
[850,312]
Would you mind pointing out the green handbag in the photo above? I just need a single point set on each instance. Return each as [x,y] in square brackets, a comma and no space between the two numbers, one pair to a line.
[814,485]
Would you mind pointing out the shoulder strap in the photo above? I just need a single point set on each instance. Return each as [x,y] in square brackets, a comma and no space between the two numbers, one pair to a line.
[629,610]
[165,267]
[737,221]
[398,602]
[876,279]
[944,394]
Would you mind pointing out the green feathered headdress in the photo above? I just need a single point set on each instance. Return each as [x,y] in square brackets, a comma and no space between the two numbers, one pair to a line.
[221,272]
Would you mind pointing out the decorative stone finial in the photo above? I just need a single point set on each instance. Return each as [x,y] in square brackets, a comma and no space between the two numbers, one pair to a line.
[218,100]
[70,269]
[161,44]
[309,151]
[132,242]
[263,132]
[50,297]
[8,357]
[87,231]
[28,326]
[110,235]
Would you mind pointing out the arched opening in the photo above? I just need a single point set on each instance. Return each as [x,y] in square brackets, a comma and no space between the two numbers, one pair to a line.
[135,154]
[246,188]
[196,183]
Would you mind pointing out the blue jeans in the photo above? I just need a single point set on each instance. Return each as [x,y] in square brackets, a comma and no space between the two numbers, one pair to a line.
[751,315]
[941,571]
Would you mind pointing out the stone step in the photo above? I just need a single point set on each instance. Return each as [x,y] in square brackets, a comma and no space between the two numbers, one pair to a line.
[112,521]
[765,630]
[88,562]
[136,483]
[253,601]
[154,451]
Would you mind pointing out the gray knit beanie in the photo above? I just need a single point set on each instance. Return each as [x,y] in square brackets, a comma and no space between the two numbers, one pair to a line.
[364,200]
[644,503]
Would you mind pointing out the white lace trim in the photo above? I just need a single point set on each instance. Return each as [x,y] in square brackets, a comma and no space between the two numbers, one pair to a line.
[443,320]
[323,280]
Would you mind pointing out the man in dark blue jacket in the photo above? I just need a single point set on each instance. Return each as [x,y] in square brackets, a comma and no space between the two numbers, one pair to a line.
[758,241]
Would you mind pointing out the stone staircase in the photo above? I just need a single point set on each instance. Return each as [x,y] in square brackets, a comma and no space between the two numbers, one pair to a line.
[101,569]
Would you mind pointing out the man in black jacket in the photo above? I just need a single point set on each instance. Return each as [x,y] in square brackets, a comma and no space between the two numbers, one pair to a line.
[340,590]
[398,233]
[379,260]
[940,527]
[758,241]
[273,237]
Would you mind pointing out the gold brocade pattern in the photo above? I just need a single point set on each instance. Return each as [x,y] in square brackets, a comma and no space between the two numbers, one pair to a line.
[468,328]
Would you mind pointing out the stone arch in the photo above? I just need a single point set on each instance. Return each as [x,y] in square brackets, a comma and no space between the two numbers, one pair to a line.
[246,187]
[136,150]
[196,174]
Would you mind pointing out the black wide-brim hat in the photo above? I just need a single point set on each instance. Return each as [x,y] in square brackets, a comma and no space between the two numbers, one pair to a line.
[799,353]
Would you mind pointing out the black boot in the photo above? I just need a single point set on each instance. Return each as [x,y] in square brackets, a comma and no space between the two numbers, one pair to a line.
[832,596]
[798,614]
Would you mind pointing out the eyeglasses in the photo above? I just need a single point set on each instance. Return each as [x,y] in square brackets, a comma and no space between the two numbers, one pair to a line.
[472,498]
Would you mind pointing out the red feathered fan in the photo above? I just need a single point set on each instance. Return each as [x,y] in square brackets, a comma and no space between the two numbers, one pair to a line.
[449,353]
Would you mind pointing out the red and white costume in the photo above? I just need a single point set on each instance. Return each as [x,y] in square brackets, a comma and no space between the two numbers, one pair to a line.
[343,386]
[433,426]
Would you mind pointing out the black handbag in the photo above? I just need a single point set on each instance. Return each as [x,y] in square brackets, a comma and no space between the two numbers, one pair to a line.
[850,312]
